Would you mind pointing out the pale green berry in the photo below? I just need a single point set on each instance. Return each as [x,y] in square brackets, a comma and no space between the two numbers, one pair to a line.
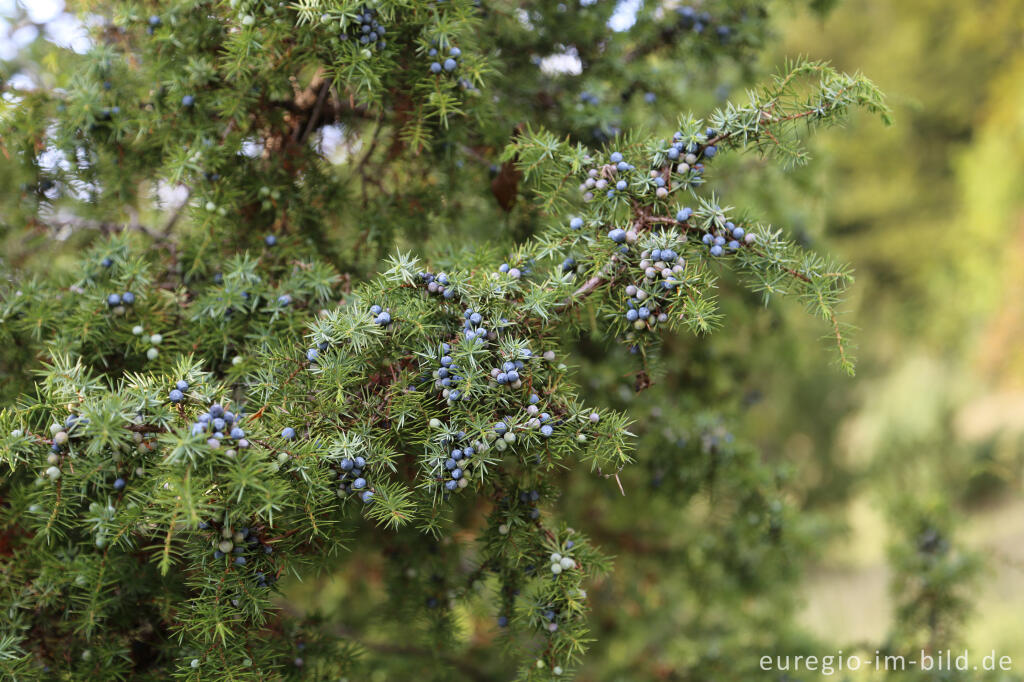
[509,437]
[503,529]
[137,330]
[53,473]
[555,557]
[237,360]
[557,670]
[195,663]
[152,353]
[225,546]
[435,423]
[556,568]
[156,339]
[567,563]
[52,458]
[60,438]
[17,433]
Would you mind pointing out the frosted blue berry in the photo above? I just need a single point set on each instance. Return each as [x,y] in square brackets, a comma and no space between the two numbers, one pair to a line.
[188,100]
[450,64]
[312,354]
[375,310]
[710,151]
[119,484]
[240,560]
[456,474]
[237,433]
[616,157]
[546,431]
[631,315]
[684,214]
[270,240]
[738,233]
[366,496]
[500,428]
[288,433]
[455,52]
[182,385]
[716,250]
[113,300]
[284,299]
[359,483]
[128,298]
[621,185]
[435,67]
[176,396]
[618,235]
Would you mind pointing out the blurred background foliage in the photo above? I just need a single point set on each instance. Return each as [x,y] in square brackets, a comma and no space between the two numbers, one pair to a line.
[904,477]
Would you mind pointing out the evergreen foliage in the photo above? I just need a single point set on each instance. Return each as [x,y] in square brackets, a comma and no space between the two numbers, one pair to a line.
[312,364]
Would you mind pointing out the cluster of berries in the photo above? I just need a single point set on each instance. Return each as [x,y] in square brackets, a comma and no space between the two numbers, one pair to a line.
[380,316]
[446,377]
[538,420]
[729,236]
[508,373]
[313,354]
[154,339]
[661,265]
[177,393]
[662,269]
[689,157]
[221,425]
[449,64]
[454,474]
[695,21]
[351,480]
[238,543]
[601,179]
[530,499]
[371,32]
[62,436]
[117,302]
[437,284]
[473,328]
[506,269]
